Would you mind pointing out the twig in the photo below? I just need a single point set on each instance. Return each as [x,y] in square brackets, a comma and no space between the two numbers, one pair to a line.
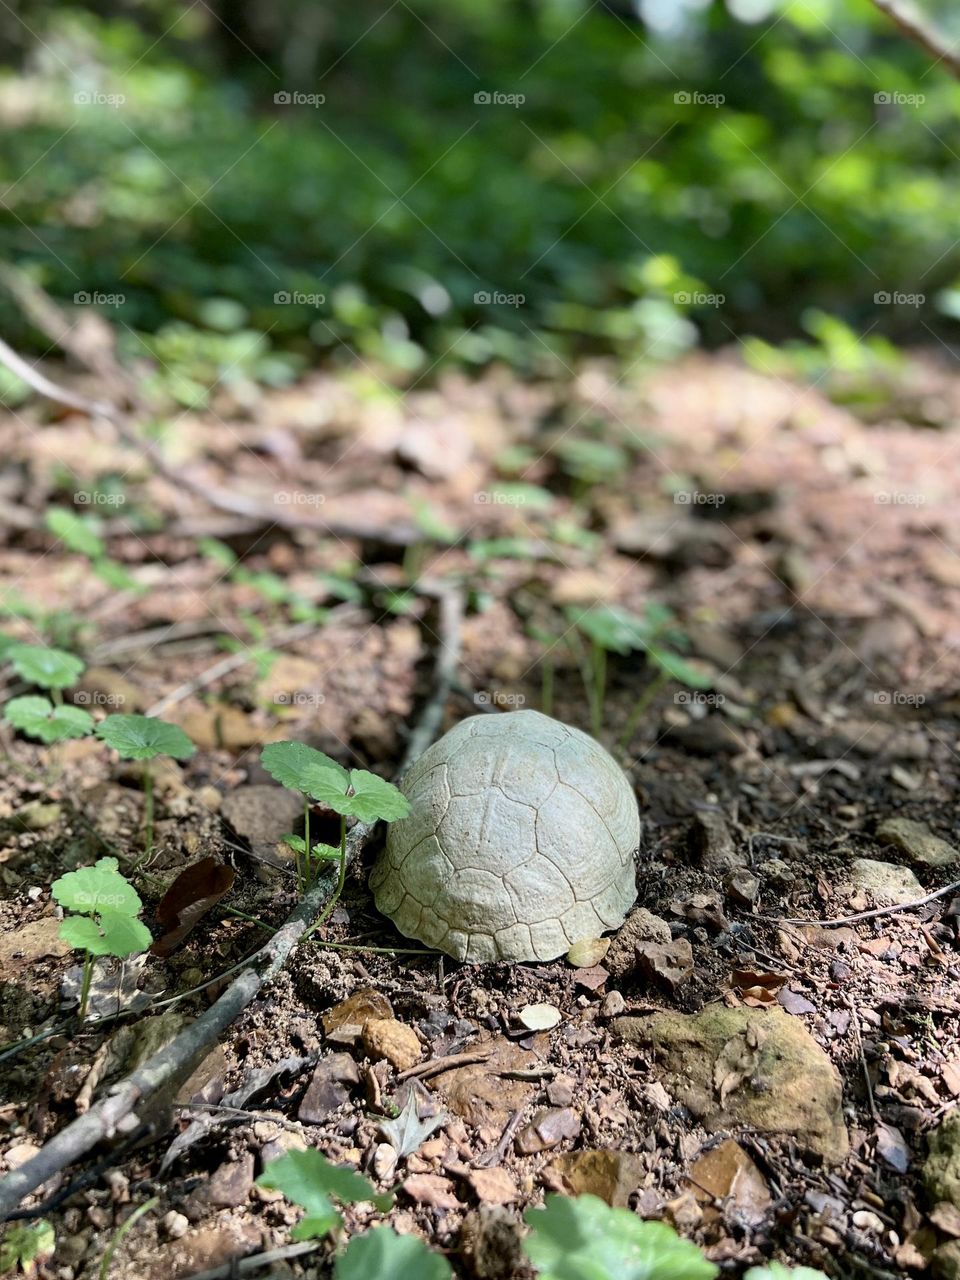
[437,1066]
[911,24]
[864,915]
[165,1070]
[855,1022]
[243,1266]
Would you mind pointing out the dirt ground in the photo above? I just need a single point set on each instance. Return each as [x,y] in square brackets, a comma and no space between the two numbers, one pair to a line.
[812,558]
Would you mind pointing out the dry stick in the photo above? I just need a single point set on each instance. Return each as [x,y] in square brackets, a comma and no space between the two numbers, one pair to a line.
[223,499]
[914,28]
[245,1266]
[864,915]
[167,1068]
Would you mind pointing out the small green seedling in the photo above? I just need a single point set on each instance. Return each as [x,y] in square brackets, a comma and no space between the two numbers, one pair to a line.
[104,922]
[25,1245]
[45,718]
[144,738]
[82,535]
[52,669]
[309,1180]
[352,793]
[613,630]
[582,1238]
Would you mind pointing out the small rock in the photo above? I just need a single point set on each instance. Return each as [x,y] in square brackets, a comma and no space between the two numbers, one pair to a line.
[712,844]
[261,815]
[560,1091]
[326,1091]
[20,948]
[229,1187]
[945,1261]
[586,954]
[432,1189]
[670,963]
[494,1186]
[742,886]
[640,925]
[613,1005]
[917,841]
[711,736]
[385,1160]
[611,1175]
[547,1129]
[884,881]
[398,1043]
[344,1023]
[175,1225]
[777,872]
[539,1017]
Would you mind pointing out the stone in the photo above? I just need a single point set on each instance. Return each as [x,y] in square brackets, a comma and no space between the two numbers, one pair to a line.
[611,1175]
[669,963]
[261,815]
[398,1043]
[886,882]
[756,1068]
[23,947]
[712,844]
[547,1128]
[327,1088]
[742,886]
[945,1262]
[640,925]
[941,1173]
[229,1186]
[917,841]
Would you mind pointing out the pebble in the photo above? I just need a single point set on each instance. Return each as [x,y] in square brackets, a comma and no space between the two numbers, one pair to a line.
[398,1043]
[175,1225]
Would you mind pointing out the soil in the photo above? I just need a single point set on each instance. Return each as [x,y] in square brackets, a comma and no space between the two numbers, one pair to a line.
[810,556]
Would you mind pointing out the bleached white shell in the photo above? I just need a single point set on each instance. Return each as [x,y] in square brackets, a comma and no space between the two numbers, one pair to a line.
[521,841]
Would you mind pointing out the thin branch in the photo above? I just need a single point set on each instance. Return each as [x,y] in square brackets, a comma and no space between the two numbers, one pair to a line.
[864,915]
[911,24]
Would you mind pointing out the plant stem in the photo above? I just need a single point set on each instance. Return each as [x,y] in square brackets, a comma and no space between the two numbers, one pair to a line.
[341,880]
[643,702]
[85,985]
[148,811]
[598,667]
[121,1231]
[308,869]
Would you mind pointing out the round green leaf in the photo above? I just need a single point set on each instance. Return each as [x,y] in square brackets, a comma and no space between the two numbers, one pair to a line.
[389,1256]
[95,890]
[75,532]
[299,767]
[112,935]
[374,798]
[49,668]
[39,718]
[144,737]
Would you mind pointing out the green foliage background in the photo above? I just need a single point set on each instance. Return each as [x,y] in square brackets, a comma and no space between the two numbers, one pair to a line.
[601,199]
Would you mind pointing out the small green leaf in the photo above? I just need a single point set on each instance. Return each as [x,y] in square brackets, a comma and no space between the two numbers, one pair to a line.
[113,935]
[77,533]
[309,1180]
[325,853]
[144,737]
[115,575]
[49,668]
[611,628]
[94,890]
[777,1271]
[388,1256]
[679,669]
[39,718]
[374,798]
[26,1243]
[297,766]
[296,843]
[584,1239]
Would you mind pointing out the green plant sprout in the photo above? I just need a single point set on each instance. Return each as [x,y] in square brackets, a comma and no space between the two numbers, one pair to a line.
[104,922]
[613,630]
[144,738]
[46,719]
[309,1180]
[50,668]
[351,793]
[25,1245]
[582,1238]
[82,535]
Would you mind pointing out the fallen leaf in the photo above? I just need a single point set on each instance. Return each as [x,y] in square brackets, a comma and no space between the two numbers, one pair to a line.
[407,1133]
[611,1175]
[433,1190]
[344,1023]
[539,1017]
[757,988]
[726,1173]
[892,1146]
[113,988]
[589,952]
[195,890]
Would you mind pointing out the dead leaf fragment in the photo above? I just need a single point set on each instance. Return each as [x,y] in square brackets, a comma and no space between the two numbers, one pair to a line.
[432,1190]
[344,1023]
[892,1147]
[589,952]
[611,1175]
[539,1017]
[757,987]
[408,1132]
[193,893]
[728,1175]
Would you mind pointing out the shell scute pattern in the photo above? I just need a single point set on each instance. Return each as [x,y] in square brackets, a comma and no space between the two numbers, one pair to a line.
[521,840]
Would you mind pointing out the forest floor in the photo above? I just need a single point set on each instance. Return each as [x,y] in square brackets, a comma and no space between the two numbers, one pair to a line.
[811,555]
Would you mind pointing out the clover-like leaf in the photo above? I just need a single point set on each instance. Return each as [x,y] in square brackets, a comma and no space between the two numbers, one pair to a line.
[77,533]
[144,737]
[374,798]
[297,766]
[40,718]
[49,668]
[319,852]
[309,1180]
[386,1254]
[97,889]
[582,1238]
[679,669]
